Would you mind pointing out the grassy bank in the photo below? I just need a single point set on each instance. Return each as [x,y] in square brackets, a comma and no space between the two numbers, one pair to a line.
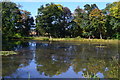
[76,39]
[6,53]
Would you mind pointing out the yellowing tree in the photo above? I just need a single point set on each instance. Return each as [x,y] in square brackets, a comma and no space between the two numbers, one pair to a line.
[115,10]
[97,21]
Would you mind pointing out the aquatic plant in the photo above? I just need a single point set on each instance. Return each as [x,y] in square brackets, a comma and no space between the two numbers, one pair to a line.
[6,53]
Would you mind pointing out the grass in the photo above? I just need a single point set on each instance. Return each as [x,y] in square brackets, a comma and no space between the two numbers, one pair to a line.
[77,39]
[6,53]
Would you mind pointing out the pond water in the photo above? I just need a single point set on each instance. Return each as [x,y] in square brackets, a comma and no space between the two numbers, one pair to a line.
[42,59]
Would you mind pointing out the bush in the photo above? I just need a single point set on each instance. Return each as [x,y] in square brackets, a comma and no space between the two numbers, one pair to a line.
[46,39]
[78,37]
[17,35]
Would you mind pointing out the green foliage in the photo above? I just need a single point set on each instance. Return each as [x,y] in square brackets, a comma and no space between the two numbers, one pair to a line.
[115,9]
[51,20]
[98,21]
[113,20]
[17,35]
[16,23]
[57,21]
[46,39]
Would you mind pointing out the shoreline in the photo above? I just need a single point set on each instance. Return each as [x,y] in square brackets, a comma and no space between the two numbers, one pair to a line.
[77,40]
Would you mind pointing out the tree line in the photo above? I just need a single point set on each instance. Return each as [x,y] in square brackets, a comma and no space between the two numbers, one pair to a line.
[55,20]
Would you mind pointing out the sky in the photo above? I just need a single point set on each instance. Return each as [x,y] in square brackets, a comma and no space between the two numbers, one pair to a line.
[33,6]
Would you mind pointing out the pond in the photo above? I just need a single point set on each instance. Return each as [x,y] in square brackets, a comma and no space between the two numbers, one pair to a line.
[44,59]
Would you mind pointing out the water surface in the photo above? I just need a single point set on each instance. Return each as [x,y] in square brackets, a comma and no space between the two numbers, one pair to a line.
[38,59]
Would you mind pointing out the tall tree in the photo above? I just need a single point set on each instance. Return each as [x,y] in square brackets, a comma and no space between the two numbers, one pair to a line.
[10,18]
[66,19]
[52,19]
[78,21]
[88,29]
[98,21]
[115,13]
[112,19]
[26,23]
[16,22]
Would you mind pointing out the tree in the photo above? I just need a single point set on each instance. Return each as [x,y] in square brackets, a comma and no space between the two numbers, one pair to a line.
[47,18]
[26,22]
[115,9]
[78,21]
[89,8]
[16,23]
[115,13]
[98,21]
[74,30]
[81,17]
[112,20]
[65,23]
[52,20]
[10,18]
[88,29]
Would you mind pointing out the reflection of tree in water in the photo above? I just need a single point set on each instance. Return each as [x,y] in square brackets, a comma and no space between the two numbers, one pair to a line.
[93,66]
[95,60]
[53,59]
[13,45]
[56,59]
[11,63]
[51,64]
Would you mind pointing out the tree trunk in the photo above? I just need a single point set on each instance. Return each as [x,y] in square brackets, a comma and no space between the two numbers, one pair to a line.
[89,37]
[50,36]
[100,35]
